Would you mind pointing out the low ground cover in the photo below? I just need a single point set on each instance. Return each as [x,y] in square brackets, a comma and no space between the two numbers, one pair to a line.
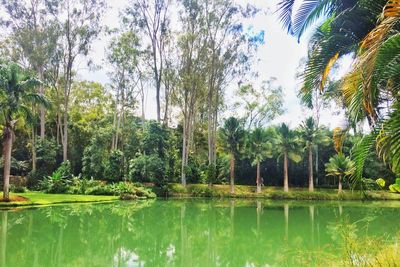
[244,191]
[40,198]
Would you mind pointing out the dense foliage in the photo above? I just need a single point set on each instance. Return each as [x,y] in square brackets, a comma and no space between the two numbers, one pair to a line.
[100,132]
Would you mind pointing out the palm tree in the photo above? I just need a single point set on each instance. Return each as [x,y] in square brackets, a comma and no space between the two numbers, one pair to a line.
[370,30]
[311,136]
[232,135]
[287,145]
[16,95]
[259,146]
[340,166]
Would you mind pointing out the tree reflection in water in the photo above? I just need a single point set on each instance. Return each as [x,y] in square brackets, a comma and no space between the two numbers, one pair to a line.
[179,233]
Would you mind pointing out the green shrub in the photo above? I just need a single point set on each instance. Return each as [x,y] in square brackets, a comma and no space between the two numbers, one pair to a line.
[59,181]
[204,192]
[101,189]
[114,170]
[55,185]
[130,191]
[395,188]
[82,185]
[369,184]
[17,189]
[381,182]
[65,170]
[147,169]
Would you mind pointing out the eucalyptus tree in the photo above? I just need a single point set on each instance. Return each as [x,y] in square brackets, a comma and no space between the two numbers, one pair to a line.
[151,19]
[16,95]
[124,55]
[287,144]
[191,74]
[311,136]
[260,146]
[79,24]
[35,33]
[261,105]
[232,135]
[230,50]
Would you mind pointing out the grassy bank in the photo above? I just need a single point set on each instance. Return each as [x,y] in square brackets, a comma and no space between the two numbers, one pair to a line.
[243,191]
[39,198]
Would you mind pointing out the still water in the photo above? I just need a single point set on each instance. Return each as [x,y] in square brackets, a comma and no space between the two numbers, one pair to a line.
[187,232]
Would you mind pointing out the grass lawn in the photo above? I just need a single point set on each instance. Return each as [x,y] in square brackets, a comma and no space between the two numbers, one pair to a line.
[39,198]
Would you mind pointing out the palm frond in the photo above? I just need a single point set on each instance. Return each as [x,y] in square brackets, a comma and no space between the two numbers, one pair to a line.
[388,139]
[359,154]
[285,12]
[37,99]
[309,12]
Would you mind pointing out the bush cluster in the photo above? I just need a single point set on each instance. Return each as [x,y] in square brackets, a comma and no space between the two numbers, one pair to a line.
[61,182]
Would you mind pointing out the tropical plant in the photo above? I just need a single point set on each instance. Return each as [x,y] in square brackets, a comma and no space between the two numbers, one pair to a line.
[311,136]
[340,166]
[16,98]
[114,171]
[370,31]
[287,145]
[395,188]
[232,135]
[144,168]
[381,182]
[259,147]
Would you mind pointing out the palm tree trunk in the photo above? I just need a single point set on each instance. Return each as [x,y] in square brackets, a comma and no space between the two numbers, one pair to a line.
[7,147]
[258,178]
[340,184]
[285,173]
[310,171]
[232,173]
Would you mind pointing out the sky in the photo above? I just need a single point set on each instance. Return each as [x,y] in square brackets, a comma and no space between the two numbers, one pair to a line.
[278,57]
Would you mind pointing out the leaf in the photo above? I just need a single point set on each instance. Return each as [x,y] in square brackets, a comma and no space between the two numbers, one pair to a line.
[327,70]
[294,156]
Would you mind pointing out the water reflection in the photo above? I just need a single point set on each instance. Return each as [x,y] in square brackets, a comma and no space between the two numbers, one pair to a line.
[179,233]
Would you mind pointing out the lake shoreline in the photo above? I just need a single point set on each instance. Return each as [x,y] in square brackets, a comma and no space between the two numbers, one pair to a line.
[274,193]
[203,191]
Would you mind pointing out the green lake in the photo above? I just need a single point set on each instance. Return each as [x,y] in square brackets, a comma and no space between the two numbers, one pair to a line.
[192,232]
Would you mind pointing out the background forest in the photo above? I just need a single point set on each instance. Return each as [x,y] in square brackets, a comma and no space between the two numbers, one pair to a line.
[194,56]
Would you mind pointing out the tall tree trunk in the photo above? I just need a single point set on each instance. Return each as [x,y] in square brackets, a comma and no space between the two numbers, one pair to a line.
[285,173]
[41,109]
[166,111]
[232,173]
[65,137]
[158,104]
[316,165]
[115,117]
[258,178]
[7,147]
[340,184]
[33,149]
[184,150]
[310,170]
